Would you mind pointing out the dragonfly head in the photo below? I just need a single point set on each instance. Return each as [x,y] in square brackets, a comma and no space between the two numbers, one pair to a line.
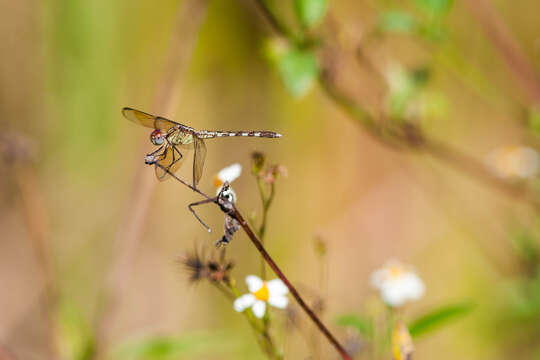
[150,159]
[157,137]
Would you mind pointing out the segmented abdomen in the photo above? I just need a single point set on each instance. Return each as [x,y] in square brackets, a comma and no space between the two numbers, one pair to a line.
[206,134]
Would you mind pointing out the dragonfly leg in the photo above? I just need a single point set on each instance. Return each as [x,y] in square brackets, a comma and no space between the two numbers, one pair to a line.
[158,150]
[174,152]
[152,158]
[202,202]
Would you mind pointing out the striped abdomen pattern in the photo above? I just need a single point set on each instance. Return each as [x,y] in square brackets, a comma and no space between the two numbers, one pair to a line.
[206,134]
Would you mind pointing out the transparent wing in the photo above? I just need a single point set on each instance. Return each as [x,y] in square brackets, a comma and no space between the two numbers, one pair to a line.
[171,160]
[148,120]
[198,159]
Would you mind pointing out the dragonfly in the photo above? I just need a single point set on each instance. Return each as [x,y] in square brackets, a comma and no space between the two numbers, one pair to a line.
[175,140]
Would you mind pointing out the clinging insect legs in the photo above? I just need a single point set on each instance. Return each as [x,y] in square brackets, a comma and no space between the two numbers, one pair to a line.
[224,200]
[202,202]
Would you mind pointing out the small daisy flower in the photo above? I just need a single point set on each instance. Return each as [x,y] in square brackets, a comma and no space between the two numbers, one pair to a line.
[272,292]
[227,174]
[514,162]
[397,283]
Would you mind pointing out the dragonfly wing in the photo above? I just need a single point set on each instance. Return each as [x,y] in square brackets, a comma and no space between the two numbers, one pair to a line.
[148,120]
[171,160]
[198,160]
[163,124]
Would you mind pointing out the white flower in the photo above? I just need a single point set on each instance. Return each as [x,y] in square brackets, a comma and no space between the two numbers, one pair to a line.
[514,162]
[229,173]
[272,292]
[397,284]
[397,78]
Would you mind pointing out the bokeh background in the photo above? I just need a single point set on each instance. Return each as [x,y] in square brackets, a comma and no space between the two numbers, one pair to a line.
[82,217]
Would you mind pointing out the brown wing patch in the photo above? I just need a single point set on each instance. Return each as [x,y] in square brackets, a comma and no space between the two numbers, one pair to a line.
[171,160]
[148,120]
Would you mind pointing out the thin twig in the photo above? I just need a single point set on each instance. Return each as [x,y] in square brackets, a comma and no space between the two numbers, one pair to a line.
[189,19]
[235,213]
[266,202]
[36,217]
[265,339]
[18,153]
[273,20]
[409,136]
[524,73]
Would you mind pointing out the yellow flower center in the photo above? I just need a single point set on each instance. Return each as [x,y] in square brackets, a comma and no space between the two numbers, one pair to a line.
[262,293]
[396,271]
[217,182]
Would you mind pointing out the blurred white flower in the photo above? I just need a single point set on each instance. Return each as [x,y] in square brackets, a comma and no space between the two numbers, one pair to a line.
[397,283]
[404,88]
[272,292]
[514,162]
[229,173]
[397,78]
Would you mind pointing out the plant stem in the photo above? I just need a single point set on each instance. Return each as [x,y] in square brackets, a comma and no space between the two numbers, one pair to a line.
[266,207]
[261,231]
[265,339]
[236,215]
[510,51]
[409,136]
[191,14]
[36,218]
[266,202]
[278,26]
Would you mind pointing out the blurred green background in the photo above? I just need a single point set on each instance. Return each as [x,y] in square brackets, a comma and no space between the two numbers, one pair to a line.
[69,66]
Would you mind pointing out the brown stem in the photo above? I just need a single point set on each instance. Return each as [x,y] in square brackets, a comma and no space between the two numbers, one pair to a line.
[35,214]
[190,17]
[263,336]
[266,202]
[477,170]
[411,136]
[273,20]
[236,214]
[517,62]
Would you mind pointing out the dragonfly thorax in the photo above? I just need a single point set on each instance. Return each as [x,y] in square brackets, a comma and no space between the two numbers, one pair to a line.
[180,138]
[157,137]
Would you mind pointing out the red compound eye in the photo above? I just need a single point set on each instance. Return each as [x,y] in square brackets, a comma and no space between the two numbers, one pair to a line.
[156,137]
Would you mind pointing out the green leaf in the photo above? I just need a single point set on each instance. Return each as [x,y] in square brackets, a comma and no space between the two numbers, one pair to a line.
[169,347]
[397,21]
[420,76]
[527,248]
[362,324]
[435,7]
[433,31]
[310,11]
[438,317]
[534,120]
[298,68]
[74,335]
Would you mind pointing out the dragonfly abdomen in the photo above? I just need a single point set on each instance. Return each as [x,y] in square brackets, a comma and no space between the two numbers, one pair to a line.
[206,134]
